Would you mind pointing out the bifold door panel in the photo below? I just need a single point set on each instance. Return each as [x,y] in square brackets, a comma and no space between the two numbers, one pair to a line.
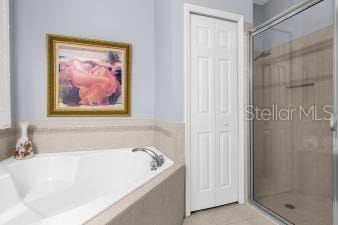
[214,112]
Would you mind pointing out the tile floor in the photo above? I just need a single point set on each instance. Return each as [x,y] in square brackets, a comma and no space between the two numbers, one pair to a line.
[233,214]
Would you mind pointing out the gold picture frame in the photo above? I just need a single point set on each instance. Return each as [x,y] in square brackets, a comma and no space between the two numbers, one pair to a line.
[88,77]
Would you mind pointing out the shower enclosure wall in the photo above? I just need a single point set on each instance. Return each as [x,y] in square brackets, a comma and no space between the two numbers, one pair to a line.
[292,95]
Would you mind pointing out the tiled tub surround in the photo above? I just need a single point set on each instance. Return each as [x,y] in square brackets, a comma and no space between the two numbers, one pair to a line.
[52,136]
[28,186]
[159,202]
[169,137]
[7,142]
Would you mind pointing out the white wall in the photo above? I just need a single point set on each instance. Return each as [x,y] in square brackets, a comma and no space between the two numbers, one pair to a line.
[114,20]
[169,101]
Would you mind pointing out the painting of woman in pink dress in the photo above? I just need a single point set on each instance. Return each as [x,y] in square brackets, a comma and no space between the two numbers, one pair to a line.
[90,78]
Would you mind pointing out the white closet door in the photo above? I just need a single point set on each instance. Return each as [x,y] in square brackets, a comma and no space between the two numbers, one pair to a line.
[202,112]
[214,114]
[5,113]
[226,104]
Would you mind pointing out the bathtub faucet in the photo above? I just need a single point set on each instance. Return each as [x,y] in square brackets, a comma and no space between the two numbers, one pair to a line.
[157,161]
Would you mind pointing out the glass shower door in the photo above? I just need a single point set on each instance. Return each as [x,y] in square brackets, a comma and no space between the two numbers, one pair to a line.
[292,98]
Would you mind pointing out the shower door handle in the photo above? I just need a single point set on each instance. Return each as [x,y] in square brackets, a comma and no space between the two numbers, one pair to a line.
[333,124]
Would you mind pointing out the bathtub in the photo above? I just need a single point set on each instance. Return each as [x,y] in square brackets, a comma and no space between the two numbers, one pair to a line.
[70,188]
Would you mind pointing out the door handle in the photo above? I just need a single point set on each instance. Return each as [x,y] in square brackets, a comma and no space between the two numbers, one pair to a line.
[333,124]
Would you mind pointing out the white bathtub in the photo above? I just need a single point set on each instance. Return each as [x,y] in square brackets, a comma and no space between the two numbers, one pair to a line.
[70,188]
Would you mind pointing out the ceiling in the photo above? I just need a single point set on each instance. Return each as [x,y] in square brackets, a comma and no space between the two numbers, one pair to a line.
[260,2]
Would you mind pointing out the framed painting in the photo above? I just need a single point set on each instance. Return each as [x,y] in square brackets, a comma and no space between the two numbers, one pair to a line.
[88,77]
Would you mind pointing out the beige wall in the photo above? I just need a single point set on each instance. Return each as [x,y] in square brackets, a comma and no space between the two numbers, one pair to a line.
[61,136]
[170,138]
[64,136]
[7,142]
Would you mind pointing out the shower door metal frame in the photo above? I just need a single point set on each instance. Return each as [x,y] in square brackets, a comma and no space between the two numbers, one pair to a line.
[265,26]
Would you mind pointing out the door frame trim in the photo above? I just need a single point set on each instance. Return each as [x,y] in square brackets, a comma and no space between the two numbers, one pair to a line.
[335,108]
[236,18]
[5,56]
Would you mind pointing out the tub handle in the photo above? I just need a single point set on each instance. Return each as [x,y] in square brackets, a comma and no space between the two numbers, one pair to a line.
[153,165]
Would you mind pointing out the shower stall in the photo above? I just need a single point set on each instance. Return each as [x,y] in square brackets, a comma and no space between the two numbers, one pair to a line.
[292,115]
